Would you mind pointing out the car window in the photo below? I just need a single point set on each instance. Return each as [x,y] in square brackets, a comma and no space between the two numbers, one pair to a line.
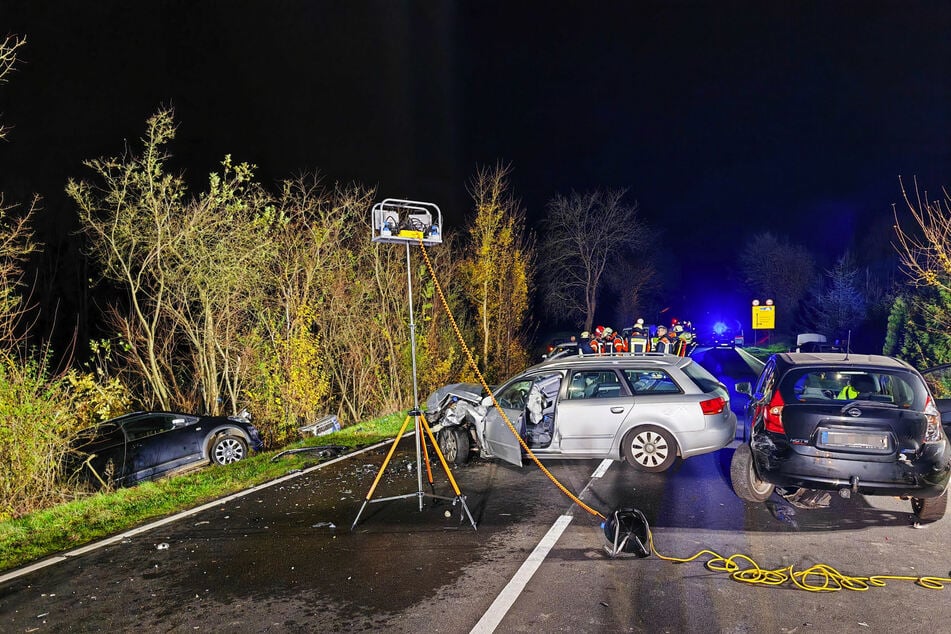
[518,393]
[834,385]
[707,383]
[515,395]
[651,382]
[148,426]
[595,384]
[764,384]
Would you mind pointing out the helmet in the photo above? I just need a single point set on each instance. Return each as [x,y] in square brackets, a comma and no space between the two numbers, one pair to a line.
[585,335]
[599,331]
[608,332]
[678,328]
[640,321]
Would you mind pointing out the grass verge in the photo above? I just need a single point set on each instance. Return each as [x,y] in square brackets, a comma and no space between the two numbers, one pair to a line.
[99,515]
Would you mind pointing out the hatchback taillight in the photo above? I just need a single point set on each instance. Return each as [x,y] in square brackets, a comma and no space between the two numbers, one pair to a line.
[713,406]
[933,418]
[773,418]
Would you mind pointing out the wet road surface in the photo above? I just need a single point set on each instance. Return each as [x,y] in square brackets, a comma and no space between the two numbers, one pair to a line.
[283,558]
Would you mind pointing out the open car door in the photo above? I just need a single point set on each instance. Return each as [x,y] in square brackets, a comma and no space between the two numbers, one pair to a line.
[525,401]
[500,440]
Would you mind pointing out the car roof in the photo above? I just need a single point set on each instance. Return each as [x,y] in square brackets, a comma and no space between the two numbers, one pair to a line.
[840,360]
[619,359]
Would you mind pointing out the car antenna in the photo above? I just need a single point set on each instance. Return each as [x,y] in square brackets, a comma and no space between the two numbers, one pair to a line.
[848,344]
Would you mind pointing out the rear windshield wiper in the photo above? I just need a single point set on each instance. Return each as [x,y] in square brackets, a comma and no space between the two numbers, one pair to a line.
[867,403]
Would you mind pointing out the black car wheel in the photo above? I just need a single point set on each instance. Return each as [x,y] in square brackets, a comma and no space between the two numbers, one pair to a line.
[746,484]
[454,444]
[227,449]
[929,510]
[649,448]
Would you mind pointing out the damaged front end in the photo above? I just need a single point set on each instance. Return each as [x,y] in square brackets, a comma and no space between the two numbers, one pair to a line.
[457,417]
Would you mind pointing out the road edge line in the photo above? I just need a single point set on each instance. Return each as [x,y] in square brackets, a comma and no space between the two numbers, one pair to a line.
[107,541]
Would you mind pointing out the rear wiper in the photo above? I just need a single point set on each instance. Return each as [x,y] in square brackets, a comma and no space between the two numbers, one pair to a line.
[867,403]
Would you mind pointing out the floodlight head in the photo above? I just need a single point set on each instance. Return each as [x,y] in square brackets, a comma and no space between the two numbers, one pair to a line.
[406,222]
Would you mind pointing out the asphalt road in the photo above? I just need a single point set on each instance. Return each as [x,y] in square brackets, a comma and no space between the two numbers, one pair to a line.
[283,558]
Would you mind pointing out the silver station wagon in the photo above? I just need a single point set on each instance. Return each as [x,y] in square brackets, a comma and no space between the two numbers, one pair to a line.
[647,409]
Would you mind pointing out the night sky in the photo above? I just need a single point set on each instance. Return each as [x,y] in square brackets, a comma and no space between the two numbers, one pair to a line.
[721,119]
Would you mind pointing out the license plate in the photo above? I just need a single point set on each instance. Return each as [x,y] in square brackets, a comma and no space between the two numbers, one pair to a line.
[867,440]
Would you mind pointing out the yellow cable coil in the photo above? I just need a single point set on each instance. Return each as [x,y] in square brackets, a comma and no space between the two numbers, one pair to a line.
[817,578]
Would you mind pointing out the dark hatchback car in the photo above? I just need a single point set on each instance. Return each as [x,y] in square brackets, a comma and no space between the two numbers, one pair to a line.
[146,445]
[850,423]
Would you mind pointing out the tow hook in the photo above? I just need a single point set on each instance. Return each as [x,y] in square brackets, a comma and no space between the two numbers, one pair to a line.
[846,492]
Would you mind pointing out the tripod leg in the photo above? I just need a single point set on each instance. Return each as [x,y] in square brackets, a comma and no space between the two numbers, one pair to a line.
[442,459]
[429,469]
[379,473]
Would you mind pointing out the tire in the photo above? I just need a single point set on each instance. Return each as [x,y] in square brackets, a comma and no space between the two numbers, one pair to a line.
[746,483]
[929,510]
[454,445]
[649,448]
[228,448]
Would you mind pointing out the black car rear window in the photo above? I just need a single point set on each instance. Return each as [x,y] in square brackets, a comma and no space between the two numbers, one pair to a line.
[838,385]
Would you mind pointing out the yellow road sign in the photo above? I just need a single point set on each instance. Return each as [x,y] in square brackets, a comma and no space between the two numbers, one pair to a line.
[764,317]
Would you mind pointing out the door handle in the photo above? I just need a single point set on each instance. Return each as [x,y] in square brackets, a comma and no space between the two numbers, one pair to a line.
[617,410]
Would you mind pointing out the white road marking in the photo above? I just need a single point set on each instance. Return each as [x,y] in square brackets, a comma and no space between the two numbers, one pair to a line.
[602,468]
[500,607]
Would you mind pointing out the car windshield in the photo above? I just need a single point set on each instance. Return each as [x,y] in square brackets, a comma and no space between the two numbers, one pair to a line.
[835,385]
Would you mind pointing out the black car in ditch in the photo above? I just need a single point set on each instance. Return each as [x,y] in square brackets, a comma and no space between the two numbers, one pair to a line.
[146,445]
[843,422]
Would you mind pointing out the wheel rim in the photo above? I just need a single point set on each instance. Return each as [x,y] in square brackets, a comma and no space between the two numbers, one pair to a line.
[450,448]
[649,449]
[229,450]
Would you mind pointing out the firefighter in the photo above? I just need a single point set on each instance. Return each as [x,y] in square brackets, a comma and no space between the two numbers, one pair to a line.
[613,341]
[680,343]
[664,341]
[584,343]
[687,339]
[640,339]
[597,340]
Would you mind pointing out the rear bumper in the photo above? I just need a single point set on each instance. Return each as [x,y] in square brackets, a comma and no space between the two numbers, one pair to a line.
[714,436]
[924,476]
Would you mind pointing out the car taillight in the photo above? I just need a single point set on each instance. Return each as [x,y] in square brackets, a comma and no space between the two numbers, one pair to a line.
[713,405]
[933,418]
[773,418]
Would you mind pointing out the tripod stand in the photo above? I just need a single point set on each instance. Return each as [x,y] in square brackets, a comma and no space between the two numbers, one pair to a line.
[421,427]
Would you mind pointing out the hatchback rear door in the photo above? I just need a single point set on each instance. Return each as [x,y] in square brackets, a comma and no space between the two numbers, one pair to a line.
[821,411]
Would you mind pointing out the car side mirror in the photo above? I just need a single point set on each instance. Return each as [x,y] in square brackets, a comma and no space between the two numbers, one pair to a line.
[486,401]
[744,388]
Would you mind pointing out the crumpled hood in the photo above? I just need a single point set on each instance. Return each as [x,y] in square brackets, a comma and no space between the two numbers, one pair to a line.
[469,391]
